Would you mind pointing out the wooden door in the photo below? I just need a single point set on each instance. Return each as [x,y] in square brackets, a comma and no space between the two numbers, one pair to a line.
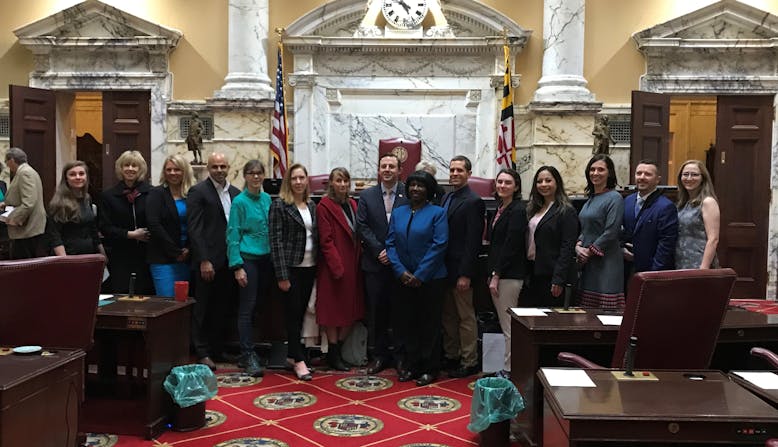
[742,181]
[126,126]
[33,130]
[650,131]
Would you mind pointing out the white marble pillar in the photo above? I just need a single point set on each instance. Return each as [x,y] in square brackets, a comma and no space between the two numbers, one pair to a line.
[247,42]
[563,46]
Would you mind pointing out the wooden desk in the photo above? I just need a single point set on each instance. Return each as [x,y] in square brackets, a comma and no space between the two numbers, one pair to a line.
[536,341]
[769,396]
[673,409]
[137,343]
[40,397]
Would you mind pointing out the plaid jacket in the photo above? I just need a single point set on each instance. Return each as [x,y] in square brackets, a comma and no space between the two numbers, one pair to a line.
[287,236]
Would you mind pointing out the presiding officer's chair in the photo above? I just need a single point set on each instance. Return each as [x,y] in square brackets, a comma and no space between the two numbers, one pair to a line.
[766,354]
[51,301]
[675,315]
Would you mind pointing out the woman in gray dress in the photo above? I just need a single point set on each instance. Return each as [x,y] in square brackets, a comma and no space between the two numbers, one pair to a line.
[597,251]
[698,218]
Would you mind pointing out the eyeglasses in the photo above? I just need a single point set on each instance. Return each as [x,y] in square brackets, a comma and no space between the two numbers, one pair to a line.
[254,174]
[690,175]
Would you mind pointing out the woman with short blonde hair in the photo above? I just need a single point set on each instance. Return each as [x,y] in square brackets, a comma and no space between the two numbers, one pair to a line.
[132,158]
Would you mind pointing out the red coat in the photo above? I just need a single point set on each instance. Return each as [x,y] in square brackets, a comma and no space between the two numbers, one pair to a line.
[339,288]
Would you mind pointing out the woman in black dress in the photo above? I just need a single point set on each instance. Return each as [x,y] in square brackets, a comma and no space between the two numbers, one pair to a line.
[72,224]
[123,225]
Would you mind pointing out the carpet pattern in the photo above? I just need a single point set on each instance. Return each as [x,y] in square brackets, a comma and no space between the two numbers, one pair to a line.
[334,409]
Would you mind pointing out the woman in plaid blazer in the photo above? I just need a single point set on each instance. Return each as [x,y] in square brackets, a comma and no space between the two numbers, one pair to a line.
[293,246]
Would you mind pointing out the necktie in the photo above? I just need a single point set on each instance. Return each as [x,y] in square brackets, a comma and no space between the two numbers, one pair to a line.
[388,202]
[638,204]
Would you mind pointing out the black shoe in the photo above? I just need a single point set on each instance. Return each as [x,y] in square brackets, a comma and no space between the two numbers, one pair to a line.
[405,376]
[425,379]
[334,361]
[251,366]
[464,371]
[208,362]
[450,364]
[377,365]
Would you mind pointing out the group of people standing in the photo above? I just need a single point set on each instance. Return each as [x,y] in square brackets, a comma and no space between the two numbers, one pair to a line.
[403,259]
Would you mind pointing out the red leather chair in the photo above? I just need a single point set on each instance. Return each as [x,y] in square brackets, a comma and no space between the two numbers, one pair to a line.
[50,301]
[766,354]
[675,315]
[408,151]
[318,183]
[484,187]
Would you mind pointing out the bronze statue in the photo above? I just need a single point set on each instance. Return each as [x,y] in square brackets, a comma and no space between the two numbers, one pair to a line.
[602,136]
[194,140]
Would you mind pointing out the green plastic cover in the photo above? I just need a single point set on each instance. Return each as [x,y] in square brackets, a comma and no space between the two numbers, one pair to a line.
[494,400]
[190,384]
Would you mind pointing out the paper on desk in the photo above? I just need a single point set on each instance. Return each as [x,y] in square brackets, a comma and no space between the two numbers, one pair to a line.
[610,320]
[763,379]
[528,312]
[568,377]
[104,296]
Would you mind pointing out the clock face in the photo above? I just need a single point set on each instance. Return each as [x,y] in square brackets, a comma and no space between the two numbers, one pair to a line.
[405,14]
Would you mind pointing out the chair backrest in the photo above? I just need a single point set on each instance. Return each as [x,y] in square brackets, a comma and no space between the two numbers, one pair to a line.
[484,187]
[407,150]
[676,316]
[317,184]
[50,301]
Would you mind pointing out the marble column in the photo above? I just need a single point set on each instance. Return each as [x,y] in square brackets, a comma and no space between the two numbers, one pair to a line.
[247,42]
[563,46]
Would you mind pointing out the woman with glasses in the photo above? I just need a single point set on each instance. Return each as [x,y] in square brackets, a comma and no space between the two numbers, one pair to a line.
[248,254]
[698,218]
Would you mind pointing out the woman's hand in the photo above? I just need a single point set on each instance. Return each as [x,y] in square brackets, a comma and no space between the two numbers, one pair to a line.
[139,234]
[494,286]
[582,254]
[183,256]
[407,279]
[241,277]
[556,290]
[284,285]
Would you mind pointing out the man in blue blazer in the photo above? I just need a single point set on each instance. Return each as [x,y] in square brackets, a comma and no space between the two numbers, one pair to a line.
[465,211]
[650,224]
[373,212]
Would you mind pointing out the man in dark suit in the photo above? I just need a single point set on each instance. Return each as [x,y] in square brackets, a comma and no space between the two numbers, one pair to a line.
[650,224]
[465,211]
[375,207]
[208,209]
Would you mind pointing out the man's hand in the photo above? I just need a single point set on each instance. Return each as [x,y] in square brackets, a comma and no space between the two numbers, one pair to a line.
[463,283]
[494,284]
[382,258]
[284,285]
[627,252]
[556,290]
[206,271]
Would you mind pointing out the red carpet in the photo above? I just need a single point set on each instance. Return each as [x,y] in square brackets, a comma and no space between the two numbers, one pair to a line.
[343,410]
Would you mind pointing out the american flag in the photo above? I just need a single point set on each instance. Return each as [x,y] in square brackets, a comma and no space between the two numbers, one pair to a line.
[278,137]
[506,142]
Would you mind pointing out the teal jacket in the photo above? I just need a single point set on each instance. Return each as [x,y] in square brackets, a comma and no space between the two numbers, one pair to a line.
[248,233]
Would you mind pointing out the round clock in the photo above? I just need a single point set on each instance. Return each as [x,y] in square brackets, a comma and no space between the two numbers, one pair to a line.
[404,14]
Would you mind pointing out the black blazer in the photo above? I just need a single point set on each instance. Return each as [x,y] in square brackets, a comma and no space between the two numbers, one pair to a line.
[555,238]
[372,226]
[117,217]
[206,224]
[465,232]
[508,242]
[165,227]
[287,236]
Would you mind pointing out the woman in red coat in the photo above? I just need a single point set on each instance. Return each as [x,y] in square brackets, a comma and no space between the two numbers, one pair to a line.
[339,299]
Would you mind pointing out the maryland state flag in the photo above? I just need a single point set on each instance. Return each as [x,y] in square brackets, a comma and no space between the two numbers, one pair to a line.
[506,142]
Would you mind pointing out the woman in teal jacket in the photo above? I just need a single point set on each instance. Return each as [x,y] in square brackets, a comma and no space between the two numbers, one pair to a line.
[248,251]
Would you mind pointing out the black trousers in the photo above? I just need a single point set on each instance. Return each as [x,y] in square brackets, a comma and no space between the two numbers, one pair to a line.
[295,303]
[380,290]
[209,317]
[420,311]
[31,247]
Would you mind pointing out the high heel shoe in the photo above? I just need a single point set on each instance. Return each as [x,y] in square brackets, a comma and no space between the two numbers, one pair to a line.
[302,372]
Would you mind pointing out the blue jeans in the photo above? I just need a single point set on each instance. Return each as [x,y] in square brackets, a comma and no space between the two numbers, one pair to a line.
[259,272]
[165,275]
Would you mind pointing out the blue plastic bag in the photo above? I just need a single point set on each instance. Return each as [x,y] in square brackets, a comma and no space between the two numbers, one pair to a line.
[191,384]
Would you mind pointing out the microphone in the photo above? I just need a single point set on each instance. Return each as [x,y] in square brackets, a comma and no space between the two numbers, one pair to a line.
[568,296]
[131,288]
[629,357]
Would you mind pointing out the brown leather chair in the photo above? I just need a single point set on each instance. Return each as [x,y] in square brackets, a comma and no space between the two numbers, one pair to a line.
[675,315]
[484,187]
[50,301]
[317,184]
